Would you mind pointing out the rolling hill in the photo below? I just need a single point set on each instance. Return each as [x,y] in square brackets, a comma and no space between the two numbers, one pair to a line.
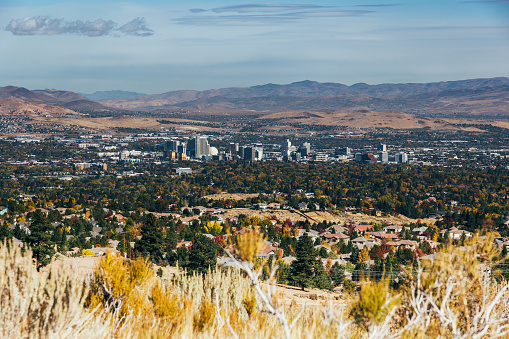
[65,99]
[476,98]
[16,107]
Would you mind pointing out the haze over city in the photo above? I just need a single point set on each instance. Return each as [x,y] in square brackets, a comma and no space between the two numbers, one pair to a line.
[161,46]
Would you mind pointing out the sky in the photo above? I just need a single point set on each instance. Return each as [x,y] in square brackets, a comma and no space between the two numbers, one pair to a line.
[163,45]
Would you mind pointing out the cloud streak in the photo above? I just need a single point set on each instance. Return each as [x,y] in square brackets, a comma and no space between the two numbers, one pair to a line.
[264,14]
[490,2]
[43,25]
[263,8]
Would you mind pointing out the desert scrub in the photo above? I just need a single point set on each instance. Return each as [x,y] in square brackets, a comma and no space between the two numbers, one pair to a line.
[46,304]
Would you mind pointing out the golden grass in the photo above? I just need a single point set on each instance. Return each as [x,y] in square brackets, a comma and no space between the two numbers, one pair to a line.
[126,299]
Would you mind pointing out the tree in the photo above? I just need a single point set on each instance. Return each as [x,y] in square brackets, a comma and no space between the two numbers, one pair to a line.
[5,232]
[321,279]
[323,252]
[337,274]
[363,255]
[203,254]
[39,239]
[151,242]
[302,268]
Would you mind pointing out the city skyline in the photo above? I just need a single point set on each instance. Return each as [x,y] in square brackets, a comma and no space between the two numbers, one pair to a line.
[159,47]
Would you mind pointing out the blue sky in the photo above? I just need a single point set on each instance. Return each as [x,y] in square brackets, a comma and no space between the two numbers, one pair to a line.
[157,46]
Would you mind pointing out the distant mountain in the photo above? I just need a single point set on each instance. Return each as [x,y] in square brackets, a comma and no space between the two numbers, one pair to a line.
[16,107]
[48,96]
[66,99]
[482,103]
[303,94]
[105,95]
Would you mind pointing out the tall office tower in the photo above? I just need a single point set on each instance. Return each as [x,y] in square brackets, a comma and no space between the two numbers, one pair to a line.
[258,153]
[343,151]
[304,149]
[182,148]
[171,145]
[241,151]
[249,153]
[401,157]
[382,148]
[286,148]
[383,157]
[233,148]
[198,146]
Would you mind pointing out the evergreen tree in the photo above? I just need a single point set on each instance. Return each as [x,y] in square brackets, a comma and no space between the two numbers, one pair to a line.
[5,233]
[337,274]
[39,239]
[151,242]
[321,279]
[203,254]
[302,268]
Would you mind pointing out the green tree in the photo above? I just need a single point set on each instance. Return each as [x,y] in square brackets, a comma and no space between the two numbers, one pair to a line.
[151,242]
[321,279]
[39,239]
[203,254]
[337,274]
[302,268]
[5,232]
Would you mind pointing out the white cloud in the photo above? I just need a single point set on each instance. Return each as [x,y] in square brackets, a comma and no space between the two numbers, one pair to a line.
[43,25]
[137,27]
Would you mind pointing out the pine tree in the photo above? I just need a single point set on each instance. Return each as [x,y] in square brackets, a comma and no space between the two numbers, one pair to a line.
[337,274]
[321,279]
[302,268]
[39,239]
[202,255]
[5,232]
[151,242]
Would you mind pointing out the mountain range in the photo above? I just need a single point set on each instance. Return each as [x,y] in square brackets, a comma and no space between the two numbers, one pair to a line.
[105,95]
[486,98]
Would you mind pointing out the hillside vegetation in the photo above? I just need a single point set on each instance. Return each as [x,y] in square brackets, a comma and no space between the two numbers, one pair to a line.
[450,297]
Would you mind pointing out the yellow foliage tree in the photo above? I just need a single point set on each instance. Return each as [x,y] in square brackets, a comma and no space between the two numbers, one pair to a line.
[87,252]
[363,255]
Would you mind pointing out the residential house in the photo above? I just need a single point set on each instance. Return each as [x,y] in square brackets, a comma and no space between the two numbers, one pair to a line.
[393,229]
[363,228]
[335,238]
[410,244]
[337,229]
[362,242]
[302,206]
[274,206]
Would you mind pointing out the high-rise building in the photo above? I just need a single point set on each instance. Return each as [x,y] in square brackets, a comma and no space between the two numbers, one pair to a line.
[304,149]
[258,153]
[233,149]
[198,146]
[286,147]
[382,148]
[401,157]
[366,158]
[296,156]
[171,145]
[249,153]
[343,151]
[252,153]
[383,157]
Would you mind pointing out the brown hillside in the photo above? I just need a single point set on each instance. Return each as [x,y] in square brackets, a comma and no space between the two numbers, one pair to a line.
[363,119]
[15,106]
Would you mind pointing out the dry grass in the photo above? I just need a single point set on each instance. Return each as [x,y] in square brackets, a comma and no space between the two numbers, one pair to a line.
[448,298]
